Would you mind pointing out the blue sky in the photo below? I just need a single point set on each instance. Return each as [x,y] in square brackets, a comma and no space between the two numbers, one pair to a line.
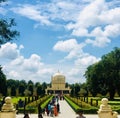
[64,35]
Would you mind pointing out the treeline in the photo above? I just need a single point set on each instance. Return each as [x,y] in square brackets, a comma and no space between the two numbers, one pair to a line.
[13,87]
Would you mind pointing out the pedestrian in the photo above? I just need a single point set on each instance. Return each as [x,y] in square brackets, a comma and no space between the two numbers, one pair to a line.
[80,114]
[49,108]
[40,116]
[55,110]
[47,111]
[39,111]
[58,107]
[26,116]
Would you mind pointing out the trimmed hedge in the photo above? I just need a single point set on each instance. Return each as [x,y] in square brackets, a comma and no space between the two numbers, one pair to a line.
[33,106]
[76,108]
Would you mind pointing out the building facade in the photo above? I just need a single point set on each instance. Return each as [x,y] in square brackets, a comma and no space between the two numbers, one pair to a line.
[58,85]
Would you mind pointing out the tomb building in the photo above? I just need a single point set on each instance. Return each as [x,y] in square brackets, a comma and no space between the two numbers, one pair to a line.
[58,85]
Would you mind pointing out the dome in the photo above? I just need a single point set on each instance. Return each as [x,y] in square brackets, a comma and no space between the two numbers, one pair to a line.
[58,77]
[58,74]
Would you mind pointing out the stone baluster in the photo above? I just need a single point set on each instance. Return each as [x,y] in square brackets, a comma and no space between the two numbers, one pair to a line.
[105,110]
[8,110]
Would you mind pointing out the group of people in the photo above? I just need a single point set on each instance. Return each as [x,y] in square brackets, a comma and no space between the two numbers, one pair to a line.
[53,108]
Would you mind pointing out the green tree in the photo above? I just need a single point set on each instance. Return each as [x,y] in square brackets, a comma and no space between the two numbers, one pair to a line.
[6,30]
[30,88]
[39,90]
[3,87]
[13,90]
[111,63]
[2,1]
[77,89]
[30,82]
[104,76]
[22,87]
[92,82]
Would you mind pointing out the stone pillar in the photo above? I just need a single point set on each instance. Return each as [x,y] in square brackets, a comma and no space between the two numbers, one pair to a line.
[105,110]
[8,110]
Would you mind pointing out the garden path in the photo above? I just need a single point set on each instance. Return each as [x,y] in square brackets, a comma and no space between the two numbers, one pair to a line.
[66,112]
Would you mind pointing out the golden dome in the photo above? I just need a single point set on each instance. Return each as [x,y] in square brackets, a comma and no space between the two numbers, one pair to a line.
[58,77]
[58,74]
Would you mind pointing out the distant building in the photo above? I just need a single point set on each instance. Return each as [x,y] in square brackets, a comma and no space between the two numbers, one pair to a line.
[58,85]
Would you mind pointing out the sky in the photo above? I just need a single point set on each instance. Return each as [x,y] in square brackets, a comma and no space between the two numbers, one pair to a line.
[58,35]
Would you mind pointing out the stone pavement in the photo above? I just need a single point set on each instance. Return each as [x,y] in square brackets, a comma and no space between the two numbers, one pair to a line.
[66,112]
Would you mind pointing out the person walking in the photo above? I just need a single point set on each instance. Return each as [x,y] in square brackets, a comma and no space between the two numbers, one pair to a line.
[39,111]
[55,110]
[80,114]
[26,116]
[58,107]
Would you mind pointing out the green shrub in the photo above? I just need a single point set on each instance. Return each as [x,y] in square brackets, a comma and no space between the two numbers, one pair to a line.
[27,110]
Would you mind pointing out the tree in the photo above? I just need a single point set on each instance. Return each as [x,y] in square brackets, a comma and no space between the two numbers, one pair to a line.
[92,82]
[2,1]
[30,88]
[7,32]
[111,63]
[39,90]
[30,82]
[13,90]
[104,76]
[22,87]
[3,87]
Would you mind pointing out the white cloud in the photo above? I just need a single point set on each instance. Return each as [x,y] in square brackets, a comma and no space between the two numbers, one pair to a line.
[80,32]
[66,45]
[32,64]
[98,22]
[18,61]
[70,46]
[18,67]
[31,12]
[86,61]
[112,30]
[13,74]
[9,51]
[110,16]
[99,41]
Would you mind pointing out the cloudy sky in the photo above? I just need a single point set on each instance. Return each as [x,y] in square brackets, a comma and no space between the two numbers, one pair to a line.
[64,35]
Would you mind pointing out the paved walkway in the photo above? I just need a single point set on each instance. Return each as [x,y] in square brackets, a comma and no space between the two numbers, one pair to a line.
[66,112]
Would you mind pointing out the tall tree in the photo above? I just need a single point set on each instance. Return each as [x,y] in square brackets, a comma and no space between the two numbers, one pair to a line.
[22,87]
[31,88]
[104,76]
[111,62]
[3,87]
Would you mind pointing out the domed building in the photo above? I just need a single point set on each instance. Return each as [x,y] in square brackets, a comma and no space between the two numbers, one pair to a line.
[58,85]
